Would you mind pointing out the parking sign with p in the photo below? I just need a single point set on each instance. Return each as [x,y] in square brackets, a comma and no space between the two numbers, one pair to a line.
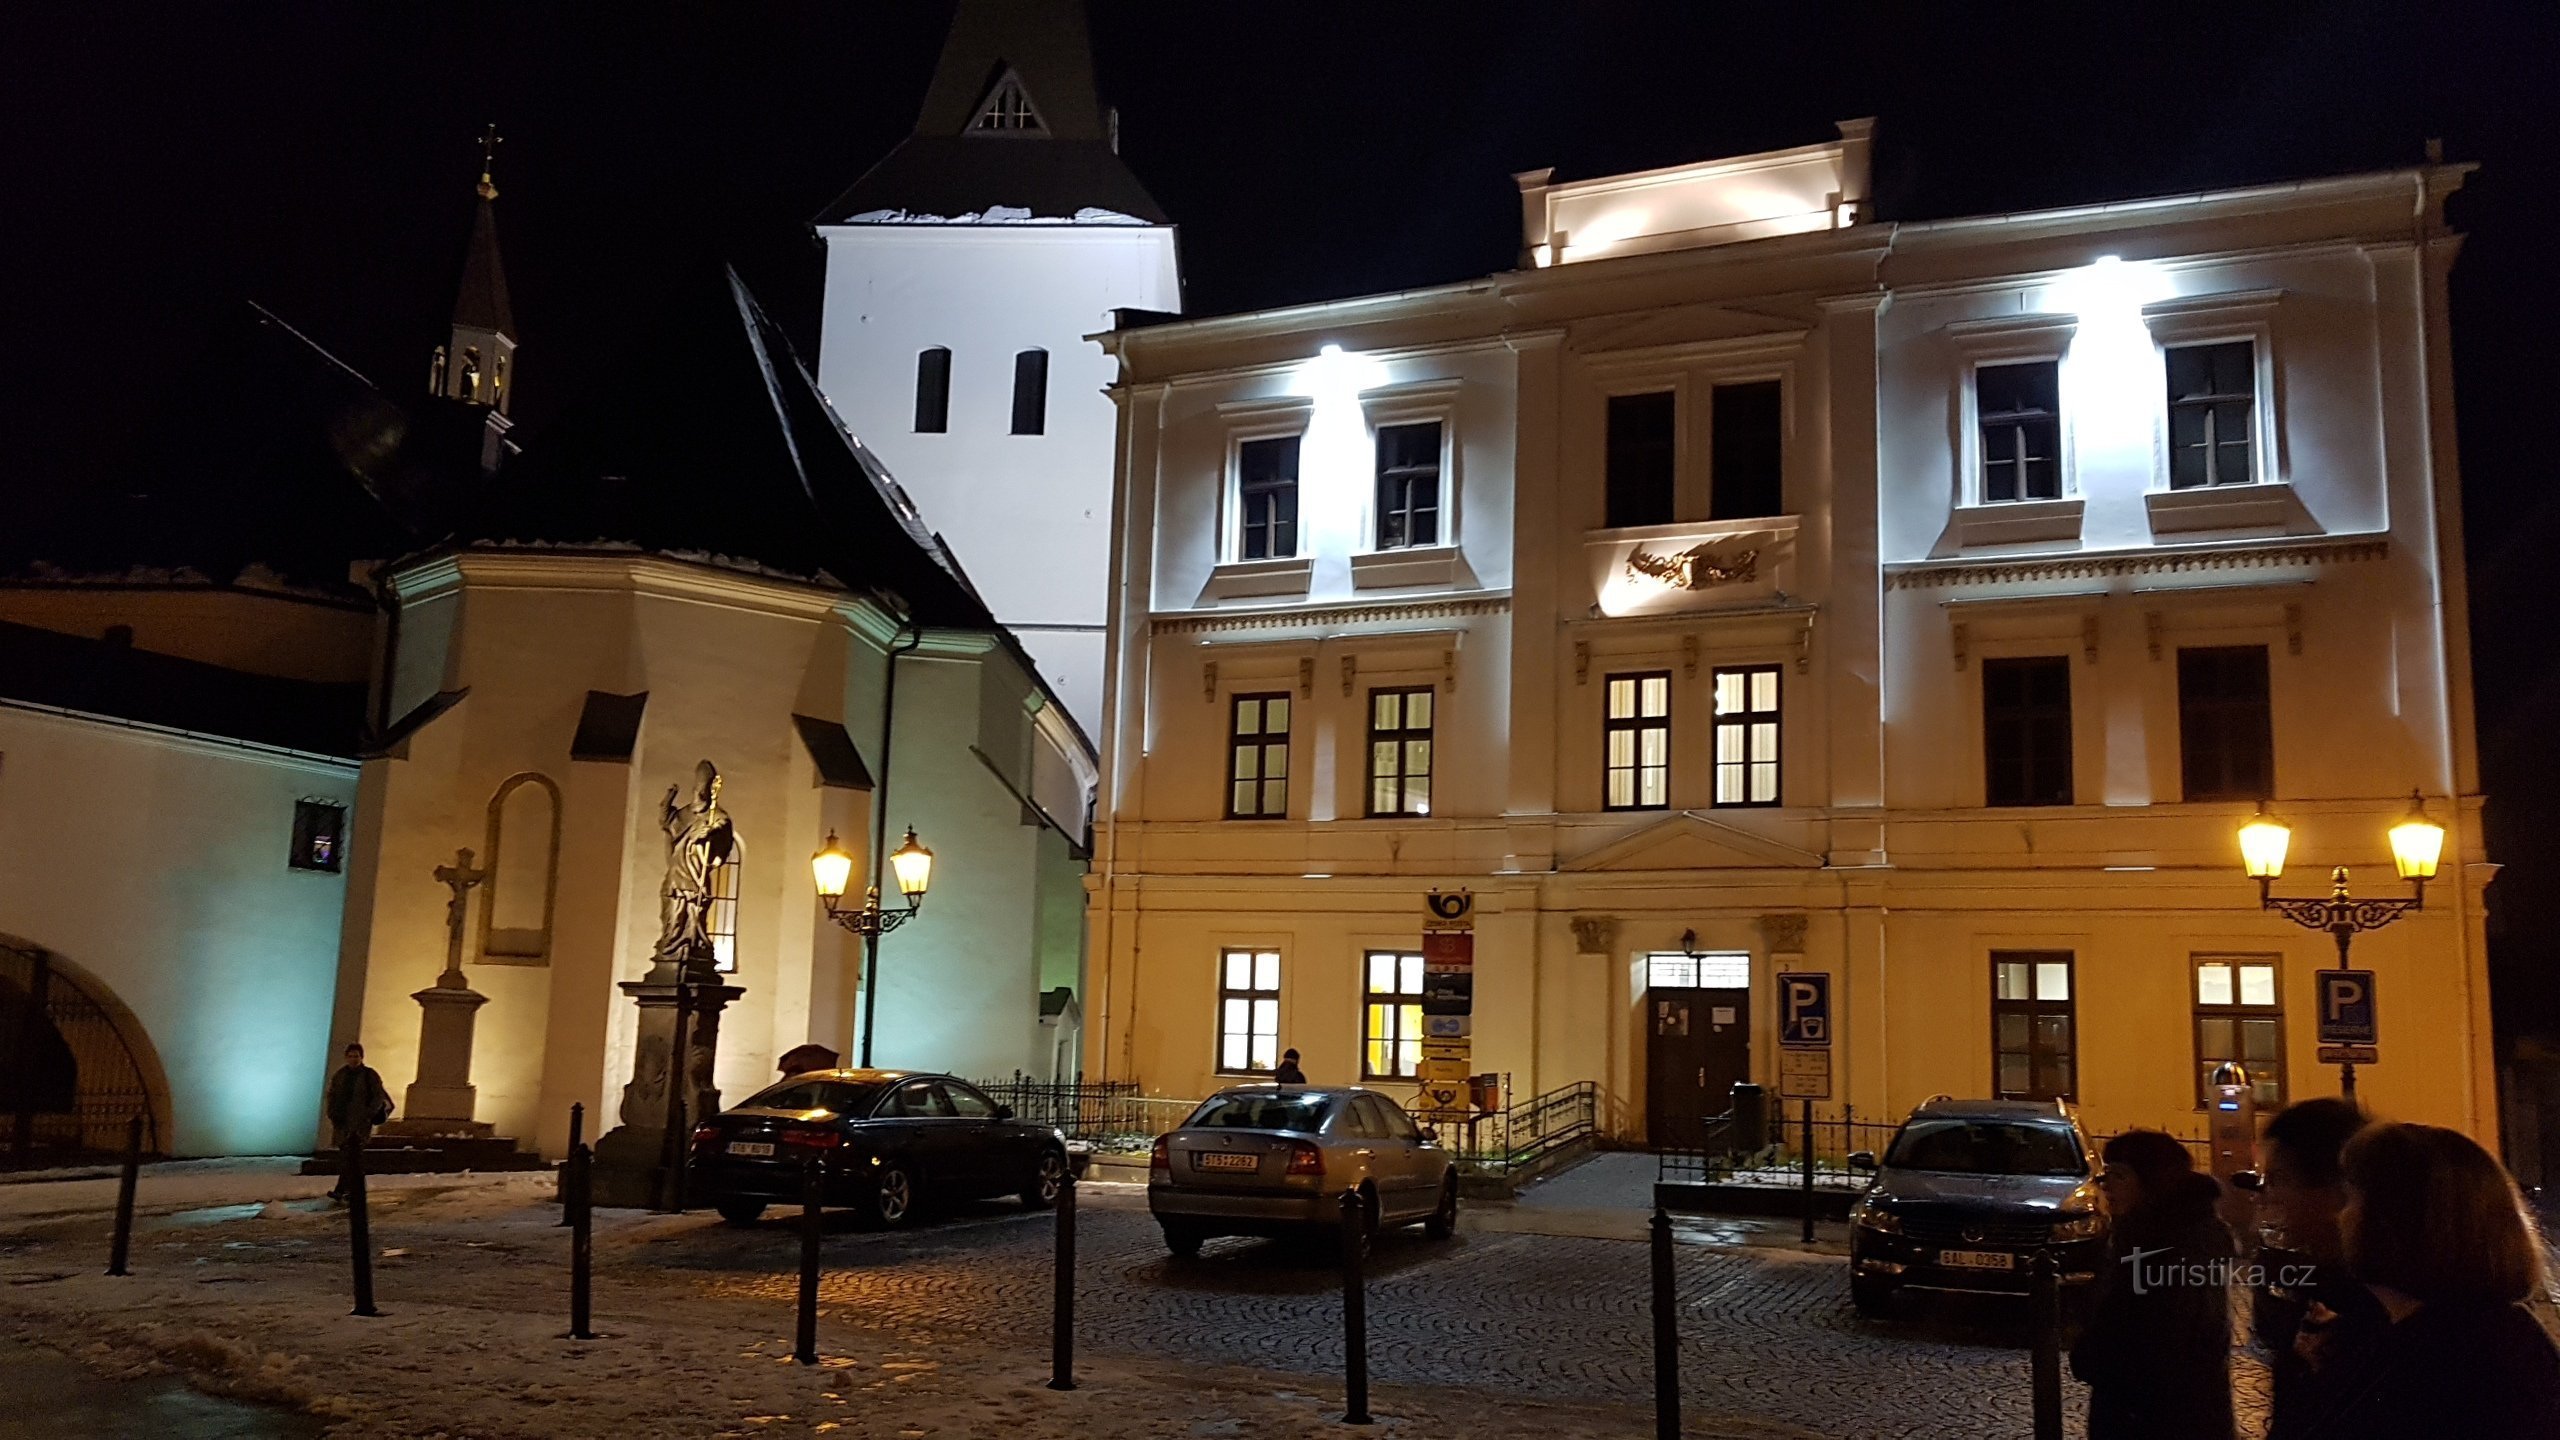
[2346,1008]
[1804,1010]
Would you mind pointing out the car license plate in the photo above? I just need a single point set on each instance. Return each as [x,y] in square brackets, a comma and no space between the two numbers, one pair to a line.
[750,1147]
[1226,1162]
[1977,1260]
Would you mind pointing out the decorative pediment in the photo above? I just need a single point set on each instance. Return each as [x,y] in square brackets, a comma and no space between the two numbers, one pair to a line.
[1692,841]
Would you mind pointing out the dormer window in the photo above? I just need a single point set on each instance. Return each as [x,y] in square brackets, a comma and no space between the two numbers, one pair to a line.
[2019,410]
[1267,498]
[933,391]
[1008,111]
[2213,404]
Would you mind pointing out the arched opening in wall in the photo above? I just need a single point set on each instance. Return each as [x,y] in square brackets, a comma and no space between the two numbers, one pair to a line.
[75,1064]
[722,923]
[933,391]
[522,859]
[1031,392]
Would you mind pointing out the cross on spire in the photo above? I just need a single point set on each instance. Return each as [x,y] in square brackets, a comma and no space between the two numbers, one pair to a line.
[490,140]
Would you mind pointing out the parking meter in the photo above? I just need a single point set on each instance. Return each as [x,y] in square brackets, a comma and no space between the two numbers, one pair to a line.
[2234,1121]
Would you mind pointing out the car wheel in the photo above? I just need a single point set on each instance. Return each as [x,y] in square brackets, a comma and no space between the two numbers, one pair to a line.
[893,1194]
[1444,1220]
[741,1213]
[1184,1241]
[1871,1297]
[1050,1179]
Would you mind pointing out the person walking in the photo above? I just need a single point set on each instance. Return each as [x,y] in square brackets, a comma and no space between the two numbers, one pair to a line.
[1288,1073]
[2314,1319]
[357,1102]
[2434,1228]
[2156,1355]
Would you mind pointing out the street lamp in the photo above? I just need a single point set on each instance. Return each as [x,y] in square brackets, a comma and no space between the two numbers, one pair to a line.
[2417,844]
[832,868]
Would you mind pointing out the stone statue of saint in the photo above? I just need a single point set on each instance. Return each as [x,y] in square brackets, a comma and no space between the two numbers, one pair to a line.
[699,837]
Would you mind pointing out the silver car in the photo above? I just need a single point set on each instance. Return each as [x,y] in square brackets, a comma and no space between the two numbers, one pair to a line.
[1275,1160]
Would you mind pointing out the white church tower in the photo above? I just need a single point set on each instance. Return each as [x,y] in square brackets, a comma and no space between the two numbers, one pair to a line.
[963,274]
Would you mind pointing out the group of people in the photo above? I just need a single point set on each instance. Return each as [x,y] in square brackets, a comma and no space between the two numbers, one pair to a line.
[2392,1295]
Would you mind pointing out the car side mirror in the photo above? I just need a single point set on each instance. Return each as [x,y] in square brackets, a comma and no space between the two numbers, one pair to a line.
[1004,1112]
[1862,1159]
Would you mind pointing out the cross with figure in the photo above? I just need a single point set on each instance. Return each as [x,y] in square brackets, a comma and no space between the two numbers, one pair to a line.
[490,140]
[458,877]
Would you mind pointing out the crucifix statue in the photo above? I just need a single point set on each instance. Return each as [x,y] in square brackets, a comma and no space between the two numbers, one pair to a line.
[458,877]
[490,140]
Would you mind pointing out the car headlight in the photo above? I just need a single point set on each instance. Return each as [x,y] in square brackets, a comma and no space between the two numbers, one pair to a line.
[1867,1215]
[2080,1226]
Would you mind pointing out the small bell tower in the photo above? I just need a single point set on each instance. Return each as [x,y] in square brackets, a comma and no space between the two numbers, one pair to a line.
[476,365]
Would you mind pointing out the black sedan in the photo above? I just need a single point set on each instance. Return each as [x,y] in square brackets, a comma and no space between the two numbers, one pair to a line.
[886,1142]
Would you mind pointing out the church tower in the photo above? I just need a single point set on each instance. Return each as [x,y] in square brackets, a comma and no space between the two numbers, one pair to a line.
[963,273]
[475,367]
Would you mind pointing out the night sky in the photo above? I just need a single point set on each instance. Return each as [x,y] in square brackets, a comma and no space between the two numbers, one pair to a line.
[165,163]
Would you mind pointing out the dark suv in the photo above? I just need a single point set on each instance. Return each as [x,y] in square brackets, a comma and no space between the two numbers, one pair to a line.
[1966,1195]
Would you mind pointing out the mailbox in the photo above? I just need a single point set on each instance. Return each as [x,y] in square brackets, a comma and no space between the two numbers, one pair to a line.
[1485,1091]
[1749,1109]
[2232,1105]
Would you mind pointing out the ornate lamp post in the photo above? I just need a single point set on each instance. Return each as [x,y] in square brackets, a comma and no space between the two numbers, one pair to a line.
[833,869]
[2417,844]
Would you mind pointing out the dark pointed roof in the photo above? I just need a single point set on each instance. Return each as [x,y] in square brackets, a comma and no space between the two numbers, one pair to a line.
[480,301]
[948,168]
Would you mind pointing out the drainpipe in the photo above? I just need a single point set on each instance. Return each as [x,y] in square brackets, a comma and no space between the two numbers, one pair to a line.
[388,602]
[880,826]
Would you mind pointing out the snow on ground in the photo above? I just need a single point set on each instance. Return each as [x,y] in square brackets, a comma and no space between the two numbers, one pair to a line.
[241,1283]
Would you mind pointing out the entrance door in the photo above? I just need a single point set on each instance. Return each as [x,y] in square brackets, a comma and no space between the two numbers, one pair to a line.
[1698,1046]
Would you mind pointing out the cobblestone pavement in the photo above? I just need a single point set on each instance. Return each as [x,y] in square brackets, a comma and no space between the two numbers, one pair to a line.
[1767,1333]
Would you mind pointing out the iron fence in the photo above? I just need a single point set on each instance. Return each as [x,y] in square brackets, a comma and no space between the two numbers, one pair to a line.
[1107,1114]
[1777,1157]
[68,1078]
[1516,1137]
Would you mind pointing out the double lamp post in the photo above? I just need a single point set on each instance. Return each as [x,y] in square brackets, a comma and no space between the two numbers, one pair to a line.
[2417,844]
[833,869]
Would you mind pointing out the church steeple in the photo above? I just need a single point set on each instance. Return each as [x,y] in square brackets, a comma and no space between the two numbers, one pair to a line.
[476,366]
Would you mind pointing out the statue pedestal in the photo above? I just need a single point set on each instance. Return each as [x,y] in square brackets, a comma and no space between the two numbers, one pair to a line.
[441,1100]
[630,1161]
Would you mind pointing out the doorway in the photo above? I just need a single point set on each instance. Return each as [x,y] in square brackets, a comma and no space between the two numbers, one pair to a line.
[1698,1043]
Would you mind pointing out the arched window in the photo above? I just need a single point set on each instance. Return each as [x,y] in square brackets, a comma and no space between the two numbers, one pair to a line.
[1030,392]
[523,864]
[933,391]
[722,922]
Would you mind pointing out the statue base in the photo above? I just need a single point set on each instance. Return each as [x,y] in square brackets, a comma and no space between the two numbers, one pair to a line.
[631,1160]
[441,1100]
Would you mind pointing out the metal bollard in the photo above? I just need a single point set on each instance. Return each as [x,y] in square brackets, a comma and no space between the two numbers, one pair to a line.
[1808,1172]
[582,1240]
[577,1132]
[813,1193]
[359,1226]
[1355,1312]
[1062,1318]
[2044,1291]
[124,1196]
[1666,1333]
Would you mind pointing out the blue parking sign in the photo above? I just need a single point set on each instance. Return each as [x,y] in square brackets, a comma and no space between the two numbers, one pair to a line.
[1804,1011]
[2346,1008]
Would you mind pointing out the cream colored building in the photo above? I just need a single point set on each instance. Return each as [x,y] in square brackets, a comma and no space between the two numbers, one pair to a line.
[1744,585]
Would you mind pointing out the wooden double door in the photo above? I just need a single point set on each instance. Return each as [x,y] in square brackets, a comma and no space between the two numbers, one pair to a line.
[1697,1046]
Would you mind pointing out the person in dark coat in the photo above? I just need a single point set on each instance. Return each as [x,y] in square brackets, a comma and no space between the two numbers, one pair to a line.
[2157,1351]
[2306,1304]
[357,1102]
[2435,1229]
[1288,1073]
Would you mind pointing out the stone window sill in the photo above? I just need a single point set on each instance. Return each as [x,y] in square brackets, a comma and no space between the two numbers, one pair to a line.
[2260,509]
[2018,522]
[1247,579]
[1415,565]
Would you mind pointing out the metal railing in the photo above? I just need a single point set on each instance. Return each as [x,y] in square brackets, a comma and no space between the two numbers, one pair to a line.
[1502,1142]
[69,1078]
[1107,1114]
[1837,1134]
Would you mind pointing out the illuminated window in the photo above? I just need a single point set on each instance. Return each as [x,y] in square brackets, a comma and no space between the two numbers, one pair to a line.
[1258,757]
[2226,730]
[2032,1026]
[933,391]
[2213,407]
[1716,970]
[721,923]
[1393,1010]
[1007,111]
[1408,484]
[1400,751]
[1637,731]
[2240,1016]
[1248,1011]
[1746,736]
[1267,498]
[2019,410]
[1748,451]
[319,836]
[1030,392]
[1642,445]
[2026,731]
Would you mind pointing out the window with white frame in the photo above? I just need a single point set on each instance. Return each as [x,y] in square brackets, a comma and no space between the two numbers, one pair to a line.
[1400,751]
[2240,1018]
[1637,734]
[2018,427]
[1746,735]
[1248,1011]
[2213,414]
[1409,484]
[1712,970]
[1267,498]
[1391,1016]
[1258,757]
